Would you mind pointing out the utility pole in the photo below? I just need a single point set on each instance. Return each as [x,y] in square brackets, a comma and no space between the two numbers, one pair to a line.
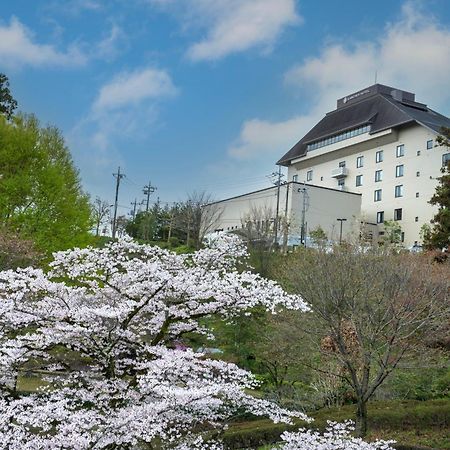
[134,204]
[277,176]
[278,205]
[148,190]
[340,232]
[118,176]
[286,225]
[303,231]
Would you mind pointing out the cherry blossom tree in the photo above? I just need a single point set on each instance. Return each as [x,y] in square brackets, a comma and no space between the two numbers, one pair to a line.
[101,329]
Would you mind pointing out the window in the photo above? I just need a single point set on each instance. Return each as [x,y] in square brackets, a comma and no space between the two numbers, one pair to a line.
[295,178]
[359,180]
[403,236]
[380,216]
[378,175]
[321,178]
[417,195]
[359,162]
[445,159]
[399,171]
[417,174]
[342,164]
[379,156]
[377,195]
[341,182]
[398,214]
[418,152]
[416,219]
[430,144]
[309,175]
[399,190]
[338,137]
[400,150]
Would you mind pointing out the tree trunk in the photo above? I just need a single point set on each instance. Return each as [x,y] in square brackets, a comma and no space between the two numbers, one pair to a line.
[361,419]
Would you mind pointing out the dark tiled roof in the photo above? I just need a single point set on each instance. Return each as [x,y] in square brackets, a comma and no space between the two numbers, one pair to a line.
[380,106]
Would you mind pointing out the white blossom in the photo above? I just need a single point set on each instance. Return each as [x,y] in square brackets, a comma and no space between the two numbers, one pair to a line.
[101,326]
[336,437]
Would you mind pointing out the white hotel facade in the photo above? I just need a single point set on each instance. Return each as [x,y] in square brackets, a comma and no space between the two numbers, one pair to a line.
[378,148]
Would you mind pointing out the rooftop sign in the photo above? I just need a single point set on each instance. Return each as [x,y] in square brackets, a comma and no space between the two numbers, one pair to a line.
[356,95]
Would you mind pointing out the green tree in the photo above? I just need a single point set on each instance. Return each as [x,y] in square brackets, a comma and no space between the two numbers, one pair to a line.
[7,102]
[40,192]
[392,234]
[318,235]
[439,236]
[143,226]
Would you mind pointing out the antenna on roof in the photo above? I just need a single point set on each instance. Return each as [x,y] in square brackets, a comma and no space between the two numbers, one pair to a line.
[376,73]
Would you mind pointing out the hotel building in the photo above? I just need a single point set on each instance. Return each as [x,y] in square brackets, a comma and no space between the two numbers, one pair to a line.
[374,158]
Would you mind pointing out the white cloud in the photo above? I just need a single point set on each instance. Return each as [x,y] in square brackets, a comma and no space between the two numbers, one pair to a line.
[17,49]
[411,54]
[74,7]
[108,47]
[233,26]
[259,138]
[131,88]
[124,112]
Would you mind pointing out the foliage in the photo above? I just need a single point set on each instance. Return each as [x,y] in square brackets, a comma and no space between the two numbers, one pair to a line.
[370,310]
[40,193]
[421,384]
[444,138]
[16,251]
[412,424]
[392,233]
[188,222]
[439,237]
[124,309]
[318,235]
[7,102]
[144,226]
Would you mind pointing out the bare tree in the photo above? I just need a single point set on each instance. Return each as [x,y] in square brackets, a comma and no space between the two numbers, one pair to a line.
[257,226]
[121,224]
[16,251]
[257,229]
[198,216]
[371,310]
[100,213]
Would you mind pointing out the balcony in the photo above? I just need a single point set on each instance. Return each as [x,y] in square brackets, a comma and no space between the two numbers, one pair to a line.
[340,172]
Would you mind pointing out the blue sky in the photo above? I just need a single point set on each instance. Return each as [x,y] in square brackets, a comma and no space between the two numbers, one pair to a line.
[208,94]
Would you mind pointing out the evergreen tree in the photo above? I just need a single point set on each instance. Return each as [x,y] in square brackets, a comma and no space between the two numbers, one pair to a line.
[7,102]
[439,236]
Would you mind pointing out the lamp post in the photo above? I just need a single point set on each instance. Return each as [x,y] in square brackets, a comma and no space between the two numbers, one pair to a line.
[340,232]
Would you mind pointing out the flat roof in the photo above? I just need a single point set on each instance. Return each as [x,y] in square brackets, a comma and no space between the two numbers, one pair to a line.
[284,184]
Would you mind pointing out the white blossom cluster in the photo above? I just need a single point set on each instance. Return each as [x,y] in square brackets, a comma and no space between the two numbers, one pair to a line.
[336,437]
[101,329]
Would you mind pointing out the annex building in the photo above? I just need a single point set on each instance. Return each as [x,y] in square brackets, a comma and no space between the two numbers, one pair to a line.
[378,145]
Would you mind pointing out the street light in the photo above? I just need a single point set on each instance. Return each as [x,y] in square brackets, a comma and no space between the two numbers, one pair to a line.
[340,233]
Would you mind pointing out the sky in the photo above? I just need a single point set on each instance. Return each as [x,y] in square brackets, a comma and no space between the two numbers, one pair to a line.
[206,95]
